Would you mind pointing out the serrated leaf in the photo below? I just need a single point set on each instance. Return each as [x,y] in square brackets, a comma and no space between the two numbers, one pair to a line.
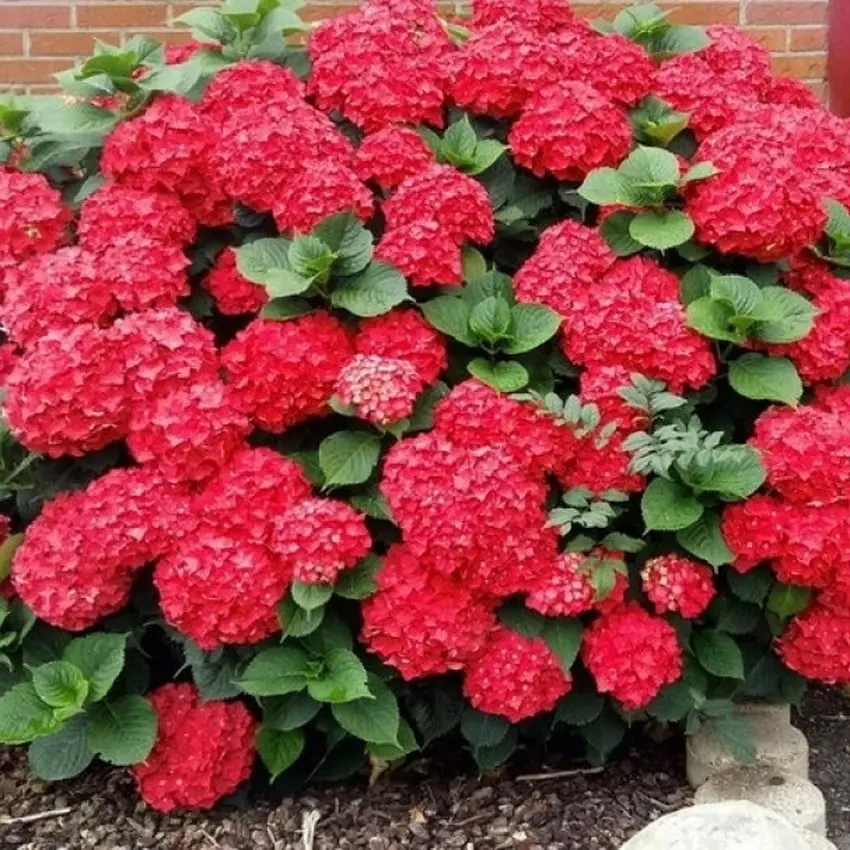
[736,735]
[64,754]
[784,316]
[667,506]
[296,621]
[352,243]
[506,376]
[374,720]
[207,25]
[359,583]
[348,457]
[473,263]
[768,378]
[679,39]
[649,167]
[738,291]
[342,680]
[605,733]
[734,472]
[752,586]
[60,684]
[122,731]
[372,292]
[531,325]
[604,186]
[256,260]
[450,315]
[275,672]
[663,230]
[735,616]
[459,142]
[289,712]
[718,654]
[700,171]
[406,744]
[436,710]
[482,729]
[179,79]
[696,283]
[564,639]
[487,151]
[672,704]
[705,540]
[615,231]
[786,600]
[578,708]
[100,658]
[279,749]
[712,319]
[490,319]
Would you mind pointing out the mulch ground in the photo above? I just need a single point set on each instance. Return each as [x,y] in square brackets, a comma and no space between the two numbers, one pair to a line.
[419,806]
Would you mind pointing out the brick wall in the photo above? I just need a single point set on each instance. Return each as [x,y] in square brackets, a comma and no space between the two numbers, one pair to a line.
[39,38]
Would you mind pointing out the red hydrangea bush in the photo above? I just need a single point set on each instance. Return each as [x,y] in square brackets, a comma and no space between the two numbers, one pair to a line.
[398,377]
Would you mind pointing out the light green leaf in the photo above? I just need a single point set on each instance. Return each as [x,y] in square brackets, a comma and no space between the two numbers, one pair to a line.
[739,292]
[256,260]
[459,142]
[487,151]
[359,583]
[531,326]
[310,596]
[296,621]
[122,731]
[786,600]
[349,457]
[785,316]
[697,284]
[279,750]
[275,672]
[346,236]
[615,231]
[679,39]
[289,712]
[372,292]
[374,720]
[661,231]
[604,186]
[64,754]
[100,657]
[283,309]
[564,639]
[667,506]
[207,25]
[711,318]
[284,283]
[54,115]
[718,654]
[473,263]
[25,716]
[700,171]
[179,79]
[705,540]
[60,684]
[450,315]
[7,551]
[735,734]
[766,378]
[490,319]
[506,376]
[734,472]
[342,680]
[650,167]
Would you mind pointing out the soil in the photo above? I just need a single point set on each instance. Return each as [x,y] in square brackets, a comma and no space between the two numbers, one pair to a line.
[418,806]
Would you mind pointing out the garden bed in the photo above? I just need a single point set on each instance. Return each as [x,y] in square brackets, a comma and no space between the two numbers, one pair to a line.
[419,805]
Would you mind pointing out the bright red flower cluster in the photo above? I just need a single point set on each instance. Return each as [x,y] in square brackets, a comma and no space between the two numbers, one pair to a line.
[203,750]
[391,155]
[32,217]
[233,294]
[678,585]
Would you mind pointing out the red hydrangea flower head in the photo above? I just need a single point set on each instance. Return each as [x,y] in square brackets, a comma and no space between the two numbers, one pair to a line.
[599,466]
[424,252]
[406,335]
[82,552]
[320,538]
[246,84]
[203,751]
[633,318]
[161,351]
[56,291]
[221,587]
[617,596]
[569,259]
[176,54]
[515,677]
[66,394]
[755,530]
[319,190]
[567,130]
[115,209]
[233,294]
[32,217]
[442,194]
[391,155]
[190,433]
[423,623]
[540,15]
[816,645]
[566,592]
[734,55]
[283,373]
[632,655]
[678,585]
[255,486]
[789,91]
[381,390]
[167,148]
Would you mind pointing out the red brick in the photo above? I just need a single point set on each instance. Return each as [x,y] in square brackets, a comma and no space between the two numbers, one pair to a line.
[11,44]
[70,43]
[774,39]
[804,67]
[15,16]
[121,15]
[786,13]
[808,38]
[166,36]
[703,14]
[16,71]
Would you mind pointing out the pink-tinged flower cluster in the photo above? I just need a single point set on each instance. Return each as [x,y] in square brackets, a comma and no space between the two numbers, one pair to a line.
[515,677]
[189,434]
[632,655]
[678,585]
[32,217]
[319,538]
[284,373]
[382,390]
[116,210]
[232,293]
[566,591]
[81,554]
[816,645]
[429,217]
[217,587]
[567,130]
[406,335]
[203,751]
[168,148]
[423,623]
[538,15]
[391,155]
[633,318]
[383,64]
